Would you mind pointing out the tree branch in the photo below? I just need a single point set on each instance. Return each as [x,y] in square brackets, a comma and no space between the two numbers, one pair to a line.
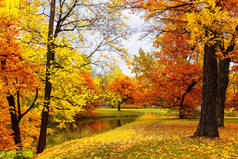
[30,108]
[18,104]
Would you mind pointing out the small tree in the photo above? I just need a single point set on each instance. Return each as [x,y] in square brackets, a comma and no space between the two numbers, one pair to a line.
[125,89]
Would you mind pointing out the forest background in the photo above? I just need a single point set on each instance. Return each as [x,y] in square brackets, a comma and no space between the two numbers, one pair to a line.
[59,58]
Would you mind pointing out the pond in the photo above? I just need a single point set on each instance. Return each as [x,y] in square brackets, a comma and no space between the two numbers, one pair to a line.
[85,128]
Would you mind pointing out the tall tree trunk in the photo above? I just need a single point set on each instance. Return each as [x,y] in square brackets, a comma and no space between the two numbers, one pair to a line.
[208,123]
[223,79]
[14,122]
[222,83]
[50,59]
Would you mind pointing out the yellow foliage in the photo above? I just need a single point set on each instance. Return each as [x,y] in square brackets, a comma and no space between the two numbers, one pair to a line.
[210,24]
[153,139]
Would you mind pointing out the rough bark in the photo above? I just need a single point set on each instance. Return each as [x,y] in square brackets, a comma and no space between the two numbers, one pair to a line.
[222,83]
[208,123]
[14,122]
[50,59]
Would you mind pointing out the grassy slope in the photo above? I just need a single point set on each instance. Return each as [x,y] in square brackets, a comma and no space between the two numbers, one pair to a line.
[129,112]
[113,112]
[151,139]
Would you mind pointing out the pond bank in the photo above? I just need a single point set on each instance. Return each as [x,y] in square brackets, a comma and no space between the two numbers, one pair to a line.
[113,112]
[86,127]
[101,120]
[150,139]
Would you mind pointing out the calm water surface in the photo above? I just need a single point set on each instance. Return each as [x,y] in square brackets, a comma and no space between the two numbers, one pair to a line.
[85,128]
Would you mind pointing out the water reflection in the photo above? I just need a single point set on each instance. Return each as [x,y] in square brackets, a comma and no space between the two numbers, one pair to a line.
[119,122]
[101,125]
[86,127]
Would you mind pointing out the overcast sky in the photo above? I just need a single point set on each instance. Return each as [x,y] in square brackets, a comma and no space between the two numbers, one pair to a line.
[134,43]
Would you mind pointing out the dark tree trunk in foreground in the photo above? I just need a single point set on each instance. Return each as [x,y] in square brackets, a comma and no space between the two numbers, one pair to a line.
[208,123]
[50,59]
[222,82]
[14,122]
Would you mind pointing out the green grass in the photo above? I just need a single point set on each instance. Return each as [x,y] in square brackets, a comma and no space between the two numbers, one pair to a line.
[113,112]
[163,138]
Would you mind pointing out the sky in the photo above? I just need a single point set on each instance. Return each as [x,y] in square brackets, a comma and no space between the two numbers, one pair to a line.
[134,42]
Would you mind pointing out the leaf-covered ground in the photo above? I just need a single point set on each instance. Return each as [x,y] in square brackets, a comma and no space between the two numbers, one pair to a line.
[164,138]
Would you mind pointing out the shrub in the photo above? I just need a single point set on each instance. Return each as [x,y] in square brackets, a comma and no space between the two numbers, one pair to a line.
[24,154]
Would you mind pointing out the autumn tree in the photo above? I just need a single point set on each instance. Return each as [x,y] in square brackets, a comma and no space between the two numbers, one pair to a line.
[80,93]
[18,76]
[170,82]
[214,38]
[124,88]
[228,51]
[108,97]
[216,43]
[179,87]
[66,20]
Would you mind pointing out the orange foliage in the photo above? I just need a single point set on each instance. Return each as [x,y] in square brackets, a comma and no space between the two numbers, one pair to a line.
[6,139]
[125,87]
[175,80]
[177,86]
[174,45]
[230,5]
[89,81]
[17,75]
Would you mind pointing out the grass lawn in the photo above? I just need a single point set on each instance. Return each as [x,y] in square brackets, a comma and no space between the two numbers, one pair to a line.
[162,138]
[113,112]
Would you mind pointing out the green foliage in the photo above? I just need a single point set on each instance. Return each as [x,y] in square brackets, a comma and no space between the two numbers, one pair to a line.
[24,154]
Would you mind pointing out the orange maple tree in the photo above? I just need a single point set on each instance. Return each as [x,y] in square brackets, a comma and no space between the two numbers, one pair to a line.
[17,80]
[175,75]
[125,89]
[178,86]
